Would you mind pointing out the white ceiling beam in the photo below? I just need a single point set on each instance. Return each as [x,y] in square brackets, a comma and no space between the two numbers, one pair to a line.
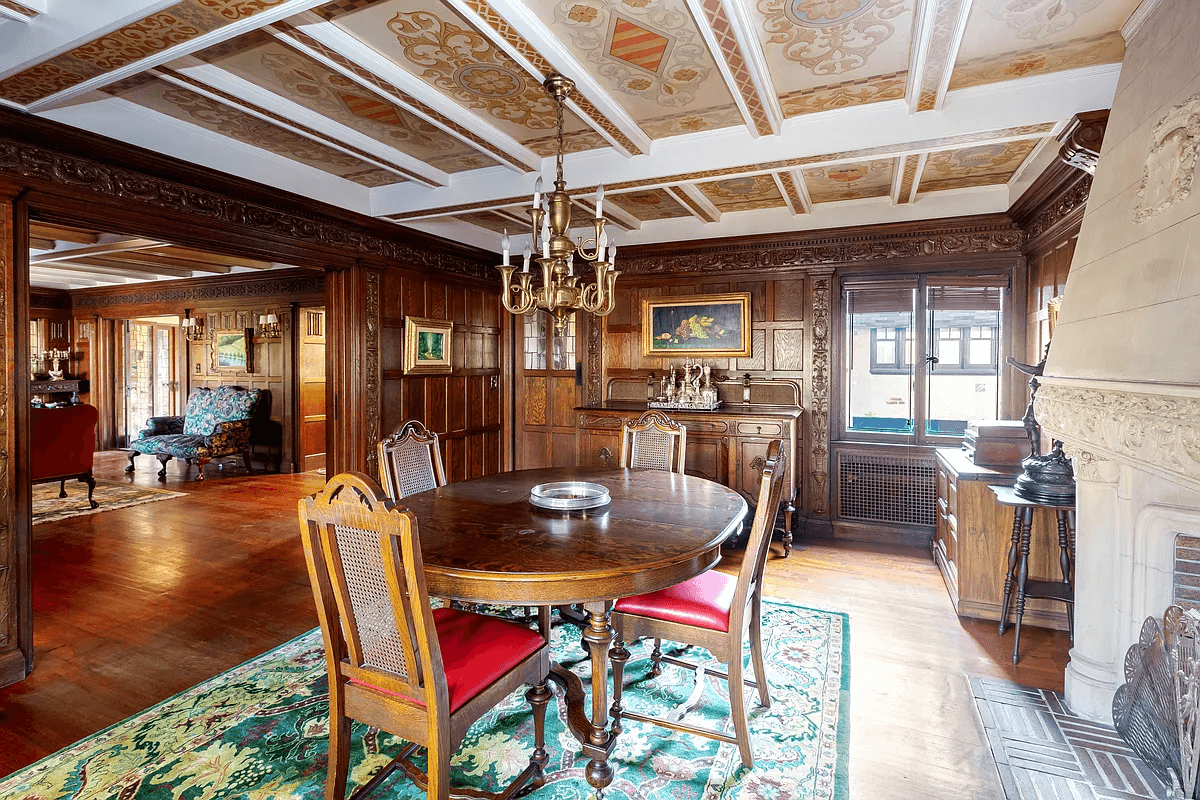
[612,212]
[922,158]
[413,94]
[57,234]
[806,203]
[61,282]
[527,25]
[234,29]
[941,26]
[745,60]
[157,261]
[74,276]
[1020,109]
[98,267]
[693,198]
[230,90]
[898,178]
[108,248]
[22,10]
[793,205]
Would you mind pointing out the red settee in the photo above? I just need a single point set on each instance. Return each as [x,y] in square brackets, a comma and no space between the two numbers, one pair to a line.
[63,441]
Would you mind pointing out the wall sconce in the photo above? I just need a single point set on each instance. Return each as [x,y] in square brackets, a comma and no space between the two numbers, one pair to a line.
[268,326]
[193,327]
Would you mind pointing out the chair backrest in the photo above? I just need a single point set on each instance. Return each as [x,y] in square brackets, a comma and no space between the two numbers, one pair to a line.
[410,461]
[754,562]
[364,562]
[655,441]
[62,440]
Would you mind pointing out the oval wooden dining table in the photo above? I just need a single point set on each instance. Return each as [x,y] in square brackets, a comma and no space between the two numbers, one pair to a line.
[482,541]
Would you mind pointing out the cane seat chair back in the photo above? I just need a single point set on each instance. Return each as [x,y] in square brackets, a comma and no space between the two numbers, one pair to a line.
[410,461]
[393,663]
[712,610]
[655,441]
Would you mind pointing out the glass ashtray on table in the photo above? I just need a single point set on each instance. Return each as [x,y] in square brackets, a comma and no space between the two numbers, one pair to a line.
[569,495]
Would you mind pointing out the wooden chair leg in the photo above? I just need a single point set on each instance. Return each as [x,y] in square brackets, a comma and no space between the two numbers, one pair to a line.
[339,753]
[246,460]
[737,708]
[200,462]
[90,480]
[437,772]
[163,458]
[756,654]
[62,488]
[538,697]
[132,455]
[656,658]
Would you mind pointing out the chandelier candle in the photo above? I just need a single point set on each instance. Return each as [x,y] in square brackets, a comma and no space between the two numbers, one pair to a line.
[561,292]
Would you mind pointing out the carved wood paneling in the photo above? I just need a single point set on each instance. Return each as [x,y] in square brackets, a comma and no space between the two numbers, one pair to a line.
[372,396]
[819,383]
[535,400]
[788,350]
[8,547]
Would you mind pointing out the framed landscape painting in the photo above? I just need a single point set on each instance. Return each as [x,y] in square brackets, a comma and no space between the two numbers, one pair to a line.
[714,325]
[427,345]
[232,350]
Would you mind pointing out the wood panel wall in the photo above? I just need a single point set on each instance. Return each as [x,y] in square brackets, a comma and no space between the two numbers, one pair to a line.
[463,407]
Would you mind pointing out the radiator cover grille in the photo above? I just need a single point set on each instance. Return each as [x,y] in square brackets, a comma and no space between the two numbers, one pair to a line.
[886,488]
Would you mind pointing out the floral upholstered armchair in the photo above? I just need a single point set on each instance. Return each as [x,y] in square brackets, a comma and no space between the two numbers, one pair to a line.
[216,424]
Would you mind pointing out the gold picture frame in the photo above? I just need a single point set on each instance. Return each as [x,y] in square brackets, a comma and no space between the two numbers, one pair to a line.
[233,350]
[428,346]
[707,325]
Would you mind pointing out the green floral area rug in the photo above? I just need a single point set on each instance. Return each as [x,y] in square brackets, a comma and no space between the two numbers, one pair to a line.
[48,506]
[260,731]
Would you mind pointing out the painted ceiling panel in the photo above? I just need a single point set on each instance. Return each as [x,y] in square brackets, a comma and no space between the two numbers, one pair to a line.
[974,166]
[647,54]
[429,40]
[844,94]
[1008,39]
[194,108]
[492,222]
[271,64]
[650,204]
[813,44]
[850,181]
[743,194]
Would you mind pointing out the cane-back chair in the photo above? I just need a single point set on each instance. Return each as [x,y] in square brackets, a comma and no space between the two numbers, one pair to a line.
[655,441]
[393,663]
[710,611]
[410,461]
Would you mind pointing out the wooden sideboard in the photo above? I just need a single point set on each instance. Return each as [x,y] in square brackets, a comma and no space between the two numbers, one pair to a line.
[972,538]
[728,446]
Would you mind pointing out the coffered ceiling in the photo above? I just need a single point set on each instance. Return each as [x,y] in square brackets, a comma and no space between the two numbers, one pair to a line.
[702,118]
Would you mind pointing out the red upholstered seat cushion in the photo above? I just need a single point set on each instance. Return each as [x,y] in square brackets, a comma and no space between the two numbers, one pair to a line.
[704,601]
[477,650]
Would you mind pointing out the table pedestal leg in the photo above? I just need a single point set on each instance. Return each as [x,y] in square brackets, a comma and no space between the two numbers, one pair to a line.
[1010,576]
[1026,514]
[593,733]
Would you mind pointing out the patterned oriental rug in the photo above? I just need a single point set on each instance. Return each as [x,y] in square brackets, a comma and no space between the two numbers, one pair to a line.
[260,731]
[48,506]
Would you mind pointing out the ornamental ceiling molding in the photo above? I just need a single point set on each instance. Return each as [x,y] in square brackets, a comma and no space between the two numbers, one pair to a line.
[1156,433]
[28,161]
[1065,209]
[829,251]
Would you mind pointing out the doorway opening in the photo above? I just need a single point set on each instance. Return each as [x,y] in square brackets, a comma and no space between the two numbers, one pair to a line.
[149,372]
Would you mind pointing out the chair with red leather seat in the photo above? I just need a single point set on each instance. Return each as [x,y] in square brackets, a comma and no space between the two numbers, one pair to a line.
[63,444]
[711,611]
[393,663]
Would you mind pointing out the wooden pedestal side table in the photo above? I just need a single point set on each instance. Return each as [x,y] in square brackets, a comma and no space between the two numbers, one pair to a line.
[1018,561]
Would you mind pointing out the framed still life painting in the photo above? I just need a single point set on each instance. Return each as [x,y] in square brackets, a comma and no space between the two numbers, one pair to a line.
[427,346]
[712,325]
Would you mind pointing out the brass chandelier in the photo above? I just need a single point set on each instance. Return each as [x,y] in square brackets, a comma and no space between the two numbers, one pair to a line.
[560,290]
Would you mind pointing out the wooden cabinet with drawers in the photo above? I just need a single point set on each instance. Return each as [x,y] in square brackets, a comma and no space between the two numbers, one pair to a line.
[728,446]
[972,539]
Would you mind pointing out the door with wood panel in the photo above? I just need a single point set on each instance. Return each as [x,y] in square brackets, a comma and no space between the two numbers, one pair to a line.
[547,393]
[151,386]
[310,360]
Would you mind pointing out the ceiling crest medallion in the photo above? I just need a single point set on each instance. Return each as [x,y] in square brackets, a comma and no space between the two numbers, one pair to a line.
[1171,161]
[830,37]
[642,48]
[460,61]
[1037,19]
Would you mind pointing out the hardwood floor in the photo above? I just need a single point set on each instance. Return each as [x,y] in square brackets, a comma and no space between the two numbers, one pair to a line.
[134,605]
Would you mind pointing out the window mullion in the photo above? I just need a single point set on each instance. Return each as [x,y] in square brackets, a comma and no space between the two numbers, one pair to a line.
[923,349]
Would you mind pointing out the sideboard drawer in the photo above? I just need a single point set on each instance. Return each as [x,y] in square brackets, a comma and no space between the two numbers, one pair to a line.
[760,428]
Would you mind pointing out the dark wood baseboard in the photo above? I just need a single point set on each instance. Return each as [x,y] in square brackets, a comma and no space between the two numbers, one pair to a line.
[882,533]
[12,667]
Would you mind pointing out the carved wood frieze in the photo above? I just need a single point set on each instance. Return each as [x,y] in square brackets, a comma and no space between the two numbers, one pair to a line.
[29,161]
[8,547]
[296,284]
[819,383]
[595,360]
[1156,433]
[1069,202]
[828,250]
[1082,139]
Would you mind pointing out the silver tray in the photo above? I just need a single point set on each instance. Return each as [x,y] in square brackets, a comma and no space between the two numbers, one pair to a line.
[569,495]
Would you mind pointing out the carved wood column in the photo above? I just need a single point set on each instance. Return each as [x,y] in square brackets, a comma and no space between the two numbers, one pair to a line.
[816,496]
[16,611]
[354,402]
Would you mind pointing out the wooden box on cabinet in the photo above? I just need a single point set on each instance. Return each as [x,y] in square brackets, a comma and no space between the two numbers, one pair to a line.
[727,446]
[972,540]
